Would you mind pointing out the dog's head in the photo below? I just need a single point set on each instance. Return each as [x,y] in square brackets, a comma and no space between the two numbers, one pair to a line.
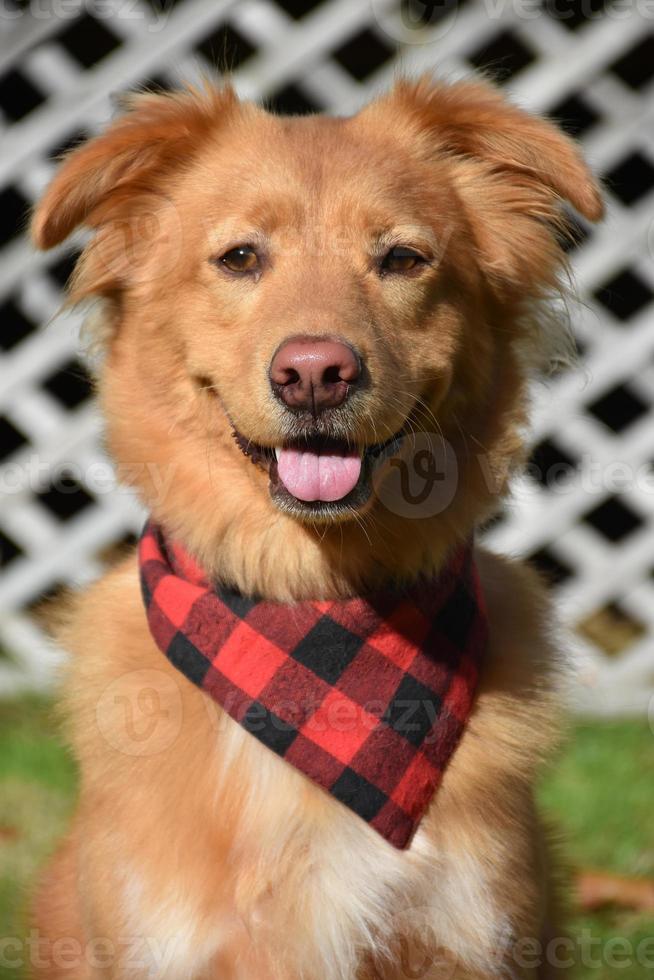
[288,300]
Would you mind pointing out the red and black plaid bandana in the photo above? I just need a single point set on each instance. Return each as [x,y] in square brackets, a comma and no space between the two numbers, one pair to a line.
[368,697]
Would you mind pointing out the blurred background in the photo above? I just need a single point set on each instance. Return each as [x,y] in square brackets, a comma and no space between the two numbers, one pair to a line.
[584,511]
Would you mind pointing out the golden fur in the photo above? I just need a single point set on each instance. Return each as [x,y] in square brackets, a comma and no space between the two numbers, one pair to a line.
[222,859]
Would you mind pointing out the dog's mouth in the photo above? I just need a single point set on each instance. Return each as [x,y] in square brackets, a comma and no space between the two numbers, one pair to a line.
[318,478]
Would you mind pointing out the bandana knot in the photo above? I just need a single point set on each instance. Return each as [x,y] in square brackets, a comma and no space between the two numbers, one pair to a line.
[368,697]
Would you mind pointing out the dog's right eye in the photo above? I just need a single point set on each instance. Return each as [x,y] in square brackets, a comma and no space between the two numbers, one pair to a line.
[243,258]
[401,258]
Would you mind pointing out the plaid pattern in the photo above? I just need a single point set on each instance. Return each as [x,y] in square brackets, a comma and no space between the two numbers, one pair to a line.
[368,697]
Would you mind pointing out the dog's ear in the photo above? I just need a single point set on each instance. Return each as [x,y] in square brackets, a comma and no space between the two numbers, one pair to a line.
[156,132]
[474,119]
[513,171]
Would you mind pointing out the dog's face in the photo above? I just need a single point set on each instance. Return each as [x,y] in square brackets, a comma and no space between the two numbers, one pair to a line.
[314,300]
[293,297]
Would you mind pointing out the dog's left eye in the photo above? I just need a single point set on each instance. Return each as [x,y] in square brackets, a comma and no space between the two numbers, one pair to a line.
[243,258]
[401,258]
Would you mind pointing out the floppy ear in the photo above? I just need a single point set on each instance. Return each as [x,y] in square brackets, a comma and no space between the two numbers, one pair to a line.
[513,172]
[473,118]
[156,132]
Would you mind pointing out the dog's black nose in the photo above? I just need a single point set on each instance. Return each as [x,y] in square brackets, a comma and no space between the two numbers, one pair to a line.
[314,374]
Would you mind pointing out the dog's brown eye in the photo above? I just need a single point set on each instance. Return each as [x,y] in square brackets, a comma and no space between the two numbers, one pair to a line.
[243,258]
[401,259]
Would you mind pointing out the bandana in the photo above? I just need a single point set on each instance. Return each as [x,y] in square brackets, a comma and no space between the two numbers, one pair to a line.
[368,697]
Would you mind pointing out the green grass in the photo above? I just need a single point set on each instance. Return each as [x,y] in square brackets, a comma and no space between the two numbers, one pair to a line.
[600,792]
[37,786]
[602,789]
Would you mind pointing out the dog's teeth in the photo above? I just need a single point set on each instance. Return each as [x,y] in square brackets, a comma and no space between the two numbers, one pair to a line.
[277,452]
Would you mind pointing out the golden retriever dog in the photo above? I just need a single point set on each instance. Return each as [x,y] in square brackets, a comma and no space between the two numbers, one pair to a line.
[284,303]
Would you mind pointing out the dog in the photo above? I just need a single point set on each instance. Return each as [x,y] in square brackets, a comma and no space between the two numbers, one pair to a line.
[317,336]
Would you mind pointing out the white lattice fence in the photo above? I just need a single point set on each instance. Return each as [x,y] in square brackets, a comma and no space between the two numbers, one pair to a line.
[585,512]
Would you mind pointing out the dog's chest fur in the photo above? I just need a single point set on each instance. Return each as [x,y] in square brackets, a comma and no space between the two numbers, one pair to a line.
[232,864]
[343,890]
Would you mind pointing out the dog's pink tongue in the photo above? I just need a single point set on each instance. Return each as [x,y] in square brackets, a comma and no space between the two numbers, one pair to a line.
[313,476]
